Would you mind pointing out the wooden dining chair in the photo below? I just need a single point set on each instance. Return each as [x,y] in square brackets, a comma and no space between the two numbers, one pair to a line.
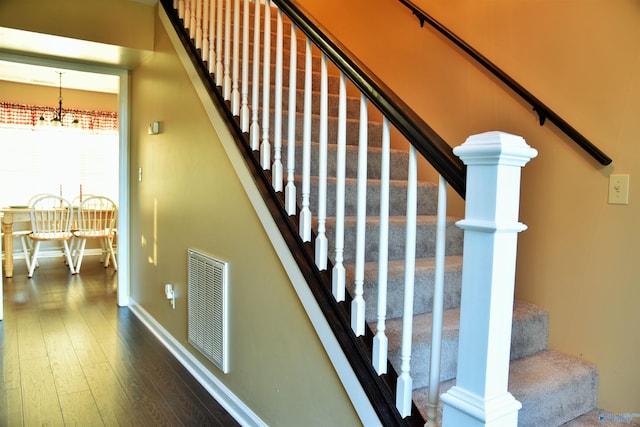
[51,218]
[97,218]
[27,244]
[75,242]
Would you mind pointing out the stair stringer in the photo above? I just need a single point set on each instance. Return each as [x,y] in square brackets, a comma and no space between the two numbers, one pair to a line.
[370,394]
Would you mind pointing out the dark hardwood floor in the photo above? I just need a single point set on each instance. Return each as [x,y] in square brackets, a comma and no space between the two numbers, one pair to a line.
[70,356]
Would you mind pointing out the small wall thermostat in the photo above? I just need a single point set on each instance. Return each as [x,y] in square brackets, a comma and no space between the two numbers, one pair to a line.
[154,128]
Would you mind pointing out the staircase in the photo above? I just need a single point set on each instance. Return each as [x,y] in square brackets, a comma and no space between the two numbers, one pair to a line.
[553,388]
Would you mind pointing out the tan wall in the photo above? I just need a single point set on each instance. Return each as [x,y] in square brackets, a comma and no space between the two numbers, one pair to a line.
[19,93]
[189,197]
[578,259]
[115,22]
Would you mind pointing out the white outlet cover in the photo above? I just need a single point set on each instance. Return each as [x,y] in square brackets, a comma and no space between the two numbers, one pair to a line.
[619,189]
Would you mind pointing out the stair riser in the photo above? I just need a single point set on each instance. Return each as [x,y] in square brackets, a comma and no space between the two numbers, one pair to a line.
[316,61]
[399,160]
[578,397]
[423,289]
[333,82]
[425,239]
[353,104]
[570,390]
[301,47]
[374,130]
[397,198]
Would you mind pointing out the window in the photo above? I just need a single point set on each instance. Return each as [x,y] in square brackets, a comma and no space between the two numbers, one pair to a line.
[59,160]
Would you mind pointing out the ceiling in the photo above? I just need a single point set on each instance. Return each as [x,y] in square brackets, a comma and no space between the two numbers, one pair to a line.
[50,76]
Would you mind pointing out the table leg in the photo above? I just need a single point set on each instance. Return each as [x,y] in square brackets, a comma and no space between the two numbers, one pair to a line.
[7,230]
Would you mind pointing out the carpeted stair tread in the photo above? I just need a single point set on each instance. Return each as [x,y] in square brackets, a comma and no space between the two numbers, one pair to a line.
[353,103]
[600,418]
[398,158]
[553,388]
[424,278]
[374,129]
[529,321]
[425,237]
[564,389]
[397,197]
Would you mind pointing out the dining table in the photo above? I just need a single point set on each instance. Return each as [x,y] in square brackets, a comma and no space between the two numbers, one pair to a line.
[11,215]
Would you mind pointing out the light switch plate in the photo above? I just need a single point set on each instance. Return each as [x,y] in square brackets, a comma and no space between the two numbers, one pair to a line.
[619,189]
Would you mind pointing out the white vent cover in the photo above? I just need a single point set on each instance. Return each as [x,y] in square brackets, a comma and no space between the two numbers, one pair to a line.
[207,283]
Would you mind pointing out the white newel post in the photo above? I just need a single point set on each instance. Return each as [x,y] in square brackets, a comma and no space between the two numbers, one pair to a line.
[480,397]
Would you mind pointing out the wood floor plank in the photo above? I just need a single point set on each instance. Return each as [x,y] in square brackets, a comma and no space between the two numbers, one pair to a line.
[109,395]
[30,339]
[65,366]
[79,409]
[9,357]
[42,407]
[84,343]
[130,369]
[103,331]
[11,407]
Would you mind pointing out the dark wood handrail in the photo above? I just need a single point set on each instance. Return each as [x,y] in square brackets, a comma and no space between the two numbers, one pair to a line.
[413,127]
[540,108]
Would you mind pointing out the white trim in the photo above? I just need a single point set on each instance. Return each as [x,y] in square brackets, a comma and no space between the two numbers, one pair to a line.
[124,235]
[352,386]
[123,162]
[1,279]
[229,401]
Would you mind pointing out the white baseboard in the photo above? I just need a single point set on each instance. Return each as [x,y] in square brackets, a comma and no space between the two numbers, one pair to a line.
[230,402]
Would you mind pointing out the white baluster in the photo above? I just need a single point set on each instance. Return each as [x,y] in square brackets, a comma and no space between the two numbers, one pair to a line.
[187,15]
[380,340]
[226,81]
[205,30]
[480,396]
[438,305]
[219,67]
[176,5]
[358,303]
[211,58]
[254,131]
[181,7]
[276,170]
[338,273]
[290,188]
[305,212]
[265,146]
[193,25]
[198,21]
[244,108]
[322,245]
[404,386]
[235,91]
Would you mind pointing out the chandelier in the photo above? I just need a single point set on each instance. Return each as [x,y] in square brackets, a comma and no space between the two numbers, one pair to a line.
[58,115]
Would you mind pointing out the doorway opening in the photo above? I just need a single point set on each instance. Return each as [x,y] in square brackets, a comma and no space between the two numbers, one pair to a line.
[119,78]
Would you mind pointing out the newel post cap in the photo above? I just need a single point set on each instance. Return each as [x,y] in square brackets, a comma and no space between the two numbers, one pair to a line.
[495,147]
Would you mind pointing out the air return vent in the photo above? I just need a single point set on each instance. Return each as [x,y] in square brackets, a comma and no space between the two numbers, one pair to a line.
[207,285]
